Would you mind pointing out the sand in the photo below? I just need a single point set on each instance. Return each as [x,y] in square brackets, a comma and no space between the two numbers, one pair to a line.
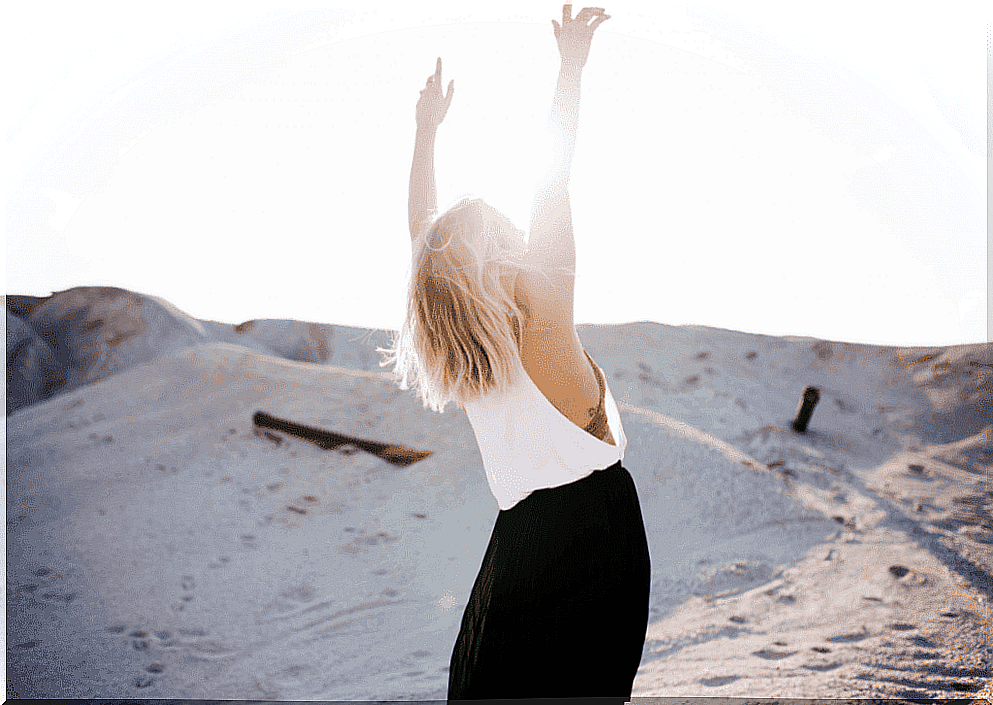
[161,546]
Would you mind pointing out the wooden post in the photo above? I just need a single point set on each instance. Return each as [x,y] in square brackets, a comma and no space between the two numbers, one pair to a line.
[810,397]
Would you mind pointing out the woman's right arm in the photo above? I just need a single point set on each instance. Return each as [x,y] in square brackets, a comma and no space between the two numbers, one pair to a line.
[551,245]
[551,238]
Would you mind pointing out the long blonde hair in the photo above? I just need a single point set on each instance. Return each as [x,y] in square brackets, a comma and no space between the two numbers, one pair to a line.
[463,327]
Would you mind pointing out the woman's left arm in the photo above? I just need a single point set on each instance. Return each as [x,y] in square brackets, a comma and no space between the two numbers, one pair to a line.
[432,106]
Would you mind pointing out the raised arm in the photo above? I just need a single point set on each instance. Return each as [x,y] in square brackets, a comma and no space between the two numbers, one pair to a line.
[551,244]
[432,106]
[573,37]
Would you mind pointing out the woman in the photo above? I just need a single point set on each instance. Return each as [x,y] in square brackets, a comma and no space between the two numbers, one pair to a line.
[560,605]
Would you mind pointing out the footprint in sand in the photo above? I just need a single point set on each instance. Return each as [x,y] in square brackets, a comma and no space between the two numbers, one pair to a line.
[361,543]
[58,596]
[47,591]
[901,627]
[822,666]
[772,654]
[645,376]
[717,681]
[248,540]
[301,505]
[848,638]
[141,640]
[187,583]
[165,638]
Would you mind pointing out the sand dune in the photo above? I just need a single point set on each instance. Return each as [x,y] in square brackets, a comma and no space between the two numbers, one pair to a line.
[162,546]
[82,335]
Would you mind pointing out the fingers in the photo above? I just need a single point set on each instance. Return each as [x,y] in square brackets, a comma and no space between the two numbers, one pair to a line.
[451,92]
[588,13]
[435,78]
[585,15]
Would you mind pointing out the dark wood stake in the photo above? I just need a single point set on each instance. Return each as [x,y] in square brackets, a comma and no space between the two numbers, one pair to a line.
[807,404]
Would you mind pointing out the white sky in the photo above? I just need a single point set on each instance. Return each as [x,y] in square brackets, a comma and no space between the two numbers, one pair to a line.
[763,166]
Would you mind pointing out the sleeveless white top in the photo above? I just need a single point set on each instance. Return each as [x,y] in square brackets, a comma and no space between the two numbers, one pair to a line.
[527,444]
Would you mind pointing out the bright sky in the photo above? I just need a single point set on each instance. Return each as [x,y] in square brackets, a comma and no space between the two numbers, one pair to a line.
[772,167]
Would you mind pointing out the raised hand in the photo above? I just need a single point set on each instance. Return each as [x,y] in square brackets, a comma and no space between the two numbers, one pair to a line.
[575,35]
[433,105]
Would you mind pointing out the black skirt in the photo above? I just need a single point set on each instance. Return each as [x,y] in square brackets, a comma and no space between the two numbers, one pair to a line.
[560,605]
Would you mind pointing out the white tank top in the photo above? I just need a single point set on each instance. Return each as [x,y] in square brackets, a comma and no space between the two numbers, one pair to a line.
[527,444]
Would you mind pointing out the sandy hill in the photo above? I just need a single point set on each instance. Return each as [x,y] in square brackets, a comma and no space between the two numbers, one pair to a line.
[160,545]
[80,336]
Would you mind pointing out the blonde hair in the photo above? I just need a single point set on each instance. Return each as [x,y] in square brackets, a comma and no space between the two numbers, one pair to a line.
[462,327]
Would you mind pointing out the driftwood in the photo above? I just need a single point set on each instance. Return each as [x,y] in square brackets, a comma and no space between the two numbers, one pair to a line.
[328,440]
[810,397]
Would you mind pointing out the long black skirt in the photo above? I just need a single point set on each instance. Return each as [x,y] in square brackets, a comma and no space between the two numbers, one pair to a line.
[560,605]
